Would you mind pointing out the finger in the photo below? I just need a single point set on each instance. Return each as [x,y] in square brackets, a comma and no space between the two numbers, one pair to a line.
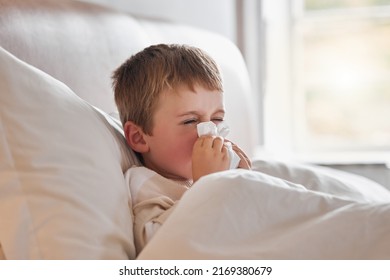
[218,143]
[225,152]
[204,141]
[207,141]
[245,161]
[243,156]
[245,164]
[198,143]
[239,151]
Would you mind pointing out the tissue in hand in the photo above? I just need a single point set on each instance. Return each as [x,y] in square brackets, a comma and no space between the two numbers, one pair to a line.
[222,129]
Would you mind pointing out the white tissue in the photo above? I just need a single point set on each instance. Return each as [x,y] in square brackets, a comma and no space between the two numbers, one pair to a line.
[222,129]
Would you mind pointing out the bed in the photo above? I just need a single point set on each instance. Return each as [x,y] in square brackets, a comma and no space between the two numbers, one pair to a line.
[63,155]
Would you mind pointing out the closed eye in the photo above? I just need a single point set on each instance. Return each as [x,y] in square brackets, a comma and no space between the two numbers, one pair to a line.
[190,121]
[217,120]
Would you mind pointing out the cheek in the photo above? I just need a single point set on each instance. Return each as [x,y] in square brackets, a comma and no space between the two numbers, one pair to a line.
[182,146]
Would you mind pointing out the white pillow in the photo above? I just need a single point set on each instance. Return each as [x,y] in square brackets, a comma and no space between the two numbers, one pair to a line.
[317,178]
[62,189]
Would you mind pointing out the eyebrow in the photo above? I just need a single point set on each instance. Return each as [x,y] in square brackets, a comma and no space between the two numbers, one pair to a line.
[197,113]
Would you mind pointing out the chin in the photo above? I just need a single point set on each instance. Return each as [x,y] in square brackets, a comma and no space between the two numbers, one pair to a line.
[185,175]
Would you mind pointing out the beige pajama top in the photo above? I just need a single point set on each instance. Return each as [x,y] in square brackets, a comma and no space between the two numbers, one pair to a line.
[153,198]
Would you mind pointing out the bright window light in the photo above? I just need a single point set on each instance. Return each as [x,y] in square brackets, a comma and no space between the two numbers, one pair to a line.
[344,81]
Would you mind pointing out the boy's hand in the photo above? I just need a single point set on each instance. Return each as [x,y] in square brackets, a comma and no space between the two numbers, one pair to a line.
[209,155]
[245,162]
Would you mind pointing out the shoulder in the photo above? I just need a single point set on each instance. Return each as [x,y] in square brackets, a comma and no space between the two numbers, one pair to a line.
[144,184]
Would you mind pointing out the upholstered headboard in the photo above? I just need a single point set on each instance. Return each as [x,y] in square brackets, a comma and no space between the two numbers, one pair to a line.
[81,44]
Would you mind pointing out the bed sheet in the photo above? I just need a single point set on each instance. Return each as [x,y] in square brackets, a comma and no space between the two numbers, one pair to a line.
[239,214]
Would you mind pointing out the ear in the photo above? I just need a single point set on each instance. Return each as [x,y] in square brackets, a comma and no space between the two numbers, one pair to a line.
[135,137]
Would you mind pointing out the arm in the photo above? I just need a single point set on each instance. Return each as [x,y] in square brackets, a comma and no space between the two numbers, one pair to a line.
[152,199]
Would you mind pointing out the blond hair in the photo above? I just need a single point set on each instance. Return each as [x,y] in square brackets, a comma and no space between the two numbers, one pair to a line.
[139,81]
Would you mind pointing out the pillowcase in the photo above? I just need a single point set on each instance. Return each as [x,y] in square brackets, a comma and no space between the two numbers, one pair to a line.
[322,179]
[62,188]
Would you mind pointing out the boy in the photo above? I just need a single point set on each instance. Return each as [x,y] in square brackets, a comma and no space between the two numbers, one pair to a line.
[162,94]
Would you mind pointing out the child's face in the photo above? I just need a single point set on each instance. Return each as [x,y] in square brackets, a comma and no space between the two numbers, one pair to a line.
[174,132]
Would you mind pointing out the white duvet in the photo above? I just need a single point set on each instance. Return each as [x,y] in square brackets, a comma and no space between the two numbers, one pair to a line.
[278,211]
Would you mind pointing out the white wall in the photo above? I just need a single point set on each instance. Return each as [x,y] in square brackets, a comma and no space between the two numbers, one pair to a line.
[216,15]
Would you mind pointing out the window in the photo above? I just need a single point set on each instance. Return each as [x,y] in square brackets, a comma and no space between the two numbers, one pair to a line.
[327,76]
[341,74]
